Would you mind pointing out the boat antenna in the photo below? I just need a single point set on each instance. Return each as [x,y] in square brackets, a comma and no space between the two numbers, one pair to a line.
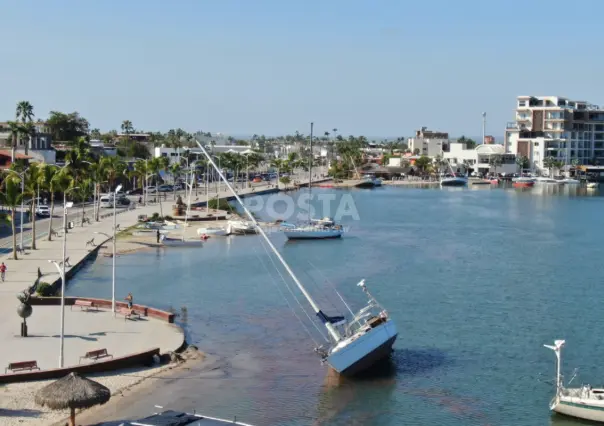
[330,328]
[310,170]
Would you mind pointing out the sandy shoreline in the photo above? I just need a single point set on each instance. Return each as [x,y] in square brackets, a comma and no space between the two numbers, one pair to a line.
[17,406]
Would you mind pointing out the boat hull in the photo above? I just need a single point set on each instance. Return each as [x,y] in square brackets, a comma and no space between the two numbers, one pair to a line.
[453,182]
[365,351]
[175,242]
[212,231]
[523,184]
[579,410]
[312,234]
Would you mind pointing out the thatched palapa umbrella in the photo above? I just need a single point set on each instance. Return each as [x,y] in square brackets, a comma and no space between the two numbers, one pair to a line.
[72,391]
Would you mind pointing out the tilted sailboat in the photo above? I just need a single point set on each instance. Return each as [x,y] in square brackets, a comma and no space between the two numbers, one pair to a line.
[584,402]
[356,344]
[313,230]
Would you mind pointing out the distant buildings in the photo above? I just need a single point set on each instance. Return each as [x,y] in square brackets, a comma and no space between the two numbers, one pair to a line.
[174,153]
[39,145]
[553,126]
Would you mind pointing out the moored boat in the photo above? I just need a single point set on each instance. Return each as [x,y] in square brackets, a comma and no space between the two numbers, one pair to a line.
[213,231]
[453,181]
[592,185]
[523,182]
[175,418]
[241,227]
[585,402]
[311,231]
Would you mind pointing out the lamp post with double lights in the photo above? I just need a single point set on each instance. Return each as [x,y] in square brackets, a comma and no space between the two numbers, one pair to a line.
[61,269]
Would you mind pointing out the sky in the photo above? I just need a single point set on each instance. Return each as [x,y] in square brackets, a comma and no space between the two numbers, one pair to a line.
[377,68]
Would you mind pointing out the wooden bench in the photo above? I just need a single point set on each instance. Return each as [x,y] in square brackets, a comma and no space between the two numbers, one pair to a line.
[84,304]
[22,366]
[96,355]
[128,313]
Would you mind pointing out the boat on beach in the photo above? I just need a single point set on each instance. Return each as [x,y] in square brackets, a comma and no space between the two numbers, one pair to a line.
[584,402]
[215,231]
[242,227]
[355,343]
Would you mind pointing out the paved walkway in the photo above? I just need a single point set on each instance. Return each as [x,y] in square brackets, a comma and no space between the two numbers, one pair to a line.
[87,330]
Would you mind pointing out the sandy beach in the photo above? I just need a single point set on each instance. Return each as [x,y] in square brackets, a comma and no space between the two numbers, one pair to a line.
[17,405]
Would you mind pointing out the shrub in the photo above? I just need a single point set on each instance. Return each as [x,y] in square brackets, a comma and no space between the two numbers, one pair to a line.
[45,290]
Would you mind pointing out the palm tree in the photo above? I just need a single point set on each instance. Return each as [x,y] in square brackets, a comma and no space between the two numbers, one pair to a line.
[32,178]
[550,163]
[495,161]
[175,171]
[25,113]
[14,128]
[11,197]
[140,170]
[83,193]
[48,180]
[279,164]
[113,168]
[127,127]
[155,166]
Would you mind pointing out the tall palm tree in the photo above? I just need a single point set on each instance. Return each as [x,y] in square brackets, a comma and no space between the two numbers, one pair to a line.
[113,169]
[140,170]
[25,113]
[127,127]
[175,171]
[32,177]
[83,193]
[155,166]
[11,197]
[15,130]
[48,180]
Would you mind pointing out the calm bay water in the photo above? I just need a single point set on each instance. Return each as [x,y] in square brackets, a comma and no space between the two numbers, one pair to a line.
[476,280]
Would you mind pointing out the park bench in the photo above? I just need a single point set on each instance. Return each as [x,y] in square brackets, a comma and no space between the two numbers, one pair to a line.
[21,366]
[96,355]
[84,304]
[128,313]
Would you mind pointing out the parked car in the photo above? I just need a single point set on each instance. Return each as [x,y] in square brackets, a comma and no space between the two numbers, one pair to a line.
[165,188]
[177,187]
[123,201]
[150,190]
[42,211]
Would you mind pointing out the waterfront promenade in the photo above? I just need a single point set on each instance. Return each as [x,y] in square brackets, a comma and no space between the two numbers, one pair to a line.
[84,330]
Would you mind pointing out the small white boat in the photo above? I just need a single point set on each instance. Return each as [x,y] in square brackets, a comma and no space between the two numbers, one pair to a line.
[570,181]
[311,232]
[180,242]
[326,221]
[548,180]
[213,231]
[242,227]
[583,403]
[592,185]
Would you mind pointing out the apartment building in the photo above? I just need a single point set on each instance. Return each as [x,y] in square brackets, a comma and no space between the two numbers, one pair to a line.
[429,142]
[39,145]
[554,126]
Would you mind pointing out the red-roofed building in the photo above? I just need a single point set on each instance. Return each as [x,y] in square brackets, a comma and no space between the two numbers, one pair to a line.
[5,158]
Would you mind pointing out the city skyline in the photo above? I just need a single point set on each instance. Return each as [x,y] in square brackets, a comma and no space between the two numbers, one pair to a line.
[269,67]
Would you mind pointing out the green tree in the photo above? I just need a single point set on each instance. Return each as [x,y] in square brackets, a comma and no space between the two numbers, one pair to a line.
[127,127]
[523,163]
[175,170]
[550,163]
[32,179]
[67,127]
[15,129]
[11,197]
[25,113]
[495,161]
[423,163]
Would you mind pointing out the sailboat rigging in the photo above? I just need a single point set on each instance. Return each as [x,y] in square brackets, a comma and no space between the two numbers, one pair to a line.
[315,229]
[355,344]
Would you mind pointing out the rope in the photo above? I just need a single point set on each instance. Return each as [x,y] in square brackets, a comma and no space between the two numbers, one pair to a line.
[285,298]
[333,287]
[292,293]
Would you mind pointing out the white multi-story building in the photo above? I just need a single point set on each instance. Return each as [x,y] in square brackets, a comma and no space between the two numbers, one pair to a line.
[174,154]
[553,126]
[480,159]
[39,145]
[428,142]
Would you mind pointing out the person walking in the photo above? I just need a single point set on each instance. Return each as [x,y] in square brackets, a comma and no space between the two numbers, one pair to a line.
[3,271]
[130,300]
[157,234]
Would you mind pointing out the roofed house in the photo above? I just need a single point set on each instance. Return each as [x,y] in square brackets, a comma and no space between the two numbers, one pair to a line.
[5,158]
[39,145]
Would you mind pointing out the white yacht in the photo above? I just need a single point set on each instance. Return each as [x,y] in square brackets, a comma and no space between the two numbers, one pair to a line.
[583,402]
[355,344]
[548,180]
[241,227]
[213,231]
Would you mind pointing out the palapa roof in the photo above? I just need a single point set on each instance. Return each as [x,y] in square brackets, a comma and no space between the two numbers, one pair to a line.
[72,391]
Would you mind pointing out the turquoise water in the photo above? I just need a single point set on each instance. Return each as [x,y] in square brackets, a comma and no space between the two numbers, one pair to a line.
[476,280]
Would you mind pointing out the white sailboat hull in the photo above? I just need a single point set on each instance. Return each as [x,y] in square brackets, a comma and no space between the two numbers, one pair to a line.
[364,351]
[177,242]
[576,407]
[312,234]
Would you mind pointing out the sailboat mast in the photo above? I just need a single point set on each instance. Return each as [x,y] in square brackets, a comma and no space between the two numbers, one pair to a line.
[310,171]
[330,328]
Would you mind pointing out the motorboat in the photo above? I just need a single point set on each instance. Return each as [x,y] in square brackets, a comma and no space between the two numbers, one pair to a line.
[367,182]
[592,185]
[548,180]
[355,343]
[570,181]
[242,227]
[213,231]
[311,231]
[453,181]
[583,402]
[375,181]
[523,182]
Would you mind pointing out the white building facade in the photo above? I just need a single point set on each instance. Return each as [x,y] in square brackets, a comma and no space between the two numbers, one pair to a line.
[552,126]
[428,142]
[480,159]
[174,153]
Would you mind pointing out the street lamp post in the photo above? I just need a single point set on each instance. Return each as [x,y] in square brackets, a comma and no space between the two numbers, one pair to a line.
[61,269]
[22,176]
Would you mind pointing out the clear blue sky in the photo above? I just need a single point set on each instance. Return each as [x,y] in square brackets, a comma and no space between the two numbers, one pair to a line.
[378,68]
